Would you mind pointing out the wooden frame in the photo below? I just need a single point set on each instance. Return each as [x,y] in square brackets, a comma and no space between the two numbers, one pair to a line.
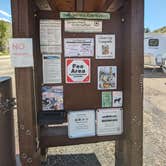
[129,145]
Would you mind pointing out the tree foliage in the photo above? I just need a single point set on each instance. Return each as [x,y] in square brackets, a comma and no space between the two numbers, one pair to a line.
[160,30]
[5,34]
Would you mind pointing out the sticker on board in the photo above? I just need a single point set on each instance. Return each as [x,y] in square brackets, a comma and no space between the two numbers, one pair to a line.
[106,99]
[78,70]
[109,121]
[81,123]
[107,77]
[52,98]
[117,97]
[105,46]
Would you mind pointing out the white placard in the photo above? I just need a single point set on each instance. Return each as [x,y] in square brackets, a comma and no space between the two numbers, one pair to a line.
[87,26]
[21,51]
[109,121]
[79,47]
[81,123]
[107,77]
[78,70]
[50,36]
[105,46]
[117,97]
[52,69]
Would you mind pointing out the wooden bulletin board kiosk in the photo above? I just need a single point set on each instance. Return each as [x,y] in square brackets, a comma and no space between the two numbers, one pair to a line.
[79,64]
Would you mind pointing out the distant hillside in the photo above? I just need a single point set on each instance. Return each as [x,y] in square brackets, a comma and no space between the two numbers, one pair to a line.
[5,34]
[160,30]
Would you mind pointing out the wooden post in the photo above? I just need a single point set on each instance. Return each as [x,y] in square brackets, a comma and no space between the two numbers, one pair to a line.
[129,150]
[22,12]
[7,143]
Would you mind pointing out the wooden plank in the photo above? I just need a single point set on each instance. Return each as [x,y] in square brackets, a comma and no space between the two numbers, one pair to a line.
[58,136]
[22,12]
[129,151]
[65,5]
[79,5]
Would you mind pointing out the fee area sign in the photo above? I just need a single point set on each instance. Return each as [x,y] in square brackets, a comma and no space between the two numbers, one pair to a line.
[78,70]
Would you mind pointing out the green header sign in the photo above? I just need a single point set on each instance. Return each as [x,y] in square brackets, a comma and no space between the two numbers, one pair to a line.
[84,15]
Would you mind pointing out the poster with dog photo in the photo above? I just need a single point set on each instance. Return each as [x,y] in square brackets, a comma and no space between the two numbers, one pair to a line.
[52,98]
[117,97]
[107,77]
[105,46]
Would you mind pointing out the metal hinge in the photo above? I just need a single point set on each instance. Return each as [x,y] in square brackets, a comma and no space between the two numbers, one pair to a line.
[7,105]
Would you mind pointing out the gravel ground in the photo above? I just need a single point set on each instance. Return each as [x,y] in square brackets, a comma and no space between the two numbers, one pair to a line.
[102,154]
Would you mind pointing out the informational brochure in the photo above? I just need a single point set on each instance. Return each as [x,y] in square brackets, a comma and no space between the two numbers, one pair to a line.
[81,123]
[21,52]
[83,26]
[105,46]
[50,36]
[106,99]
[52,98]
[107,77]
[109,121]
[52,69]
[79,47]
[117,97]
[78,70]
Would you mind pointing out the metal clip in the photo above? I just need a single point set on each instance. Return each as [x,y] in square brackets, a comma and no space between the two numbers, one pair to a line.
[7,105]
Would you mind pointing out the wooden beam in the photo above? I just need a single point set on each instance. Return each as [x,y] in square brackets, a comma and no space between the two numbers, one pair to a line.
[114,6]
[58,136]
[129,151]
[52,4]
[79,5]
[23,16]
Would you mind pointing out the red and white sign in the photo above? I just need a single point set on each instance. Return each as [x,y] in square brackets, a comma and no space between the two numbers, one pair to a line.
[21,52]
[78,70]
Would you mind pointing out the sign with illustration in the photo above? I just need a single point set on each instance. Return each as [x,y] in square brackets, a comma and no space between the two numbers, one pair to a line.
[105,46]
[52,98]
[78,70]
[117,98]
[79,47]
[107,77]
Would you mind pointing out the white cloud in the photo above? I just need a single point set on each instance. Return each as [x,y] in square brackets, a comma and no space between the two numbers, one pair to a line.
[4,19]
[5,13]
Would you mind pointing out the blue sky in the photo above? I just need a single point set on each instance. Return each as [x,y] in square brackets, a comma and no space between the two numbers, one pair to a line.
[155,12]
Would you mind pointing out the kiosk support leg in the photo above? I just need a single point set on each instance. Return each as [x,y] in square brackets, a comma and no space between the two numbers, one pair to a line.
[129,150]
[22,12]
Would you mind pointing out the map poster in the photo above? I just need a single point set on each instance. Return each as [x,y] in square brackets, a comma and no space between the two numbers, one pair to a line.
[52,98]
[52,69]
[106,99]
[105,46]
[78,70]
[81,123]
[79,47]
[117,97]
[83,26]
[107,77]
[109,121]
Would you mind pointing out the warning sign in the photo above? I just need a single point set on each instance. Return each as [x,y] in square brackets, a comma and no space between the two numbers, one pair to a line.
[78,70]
